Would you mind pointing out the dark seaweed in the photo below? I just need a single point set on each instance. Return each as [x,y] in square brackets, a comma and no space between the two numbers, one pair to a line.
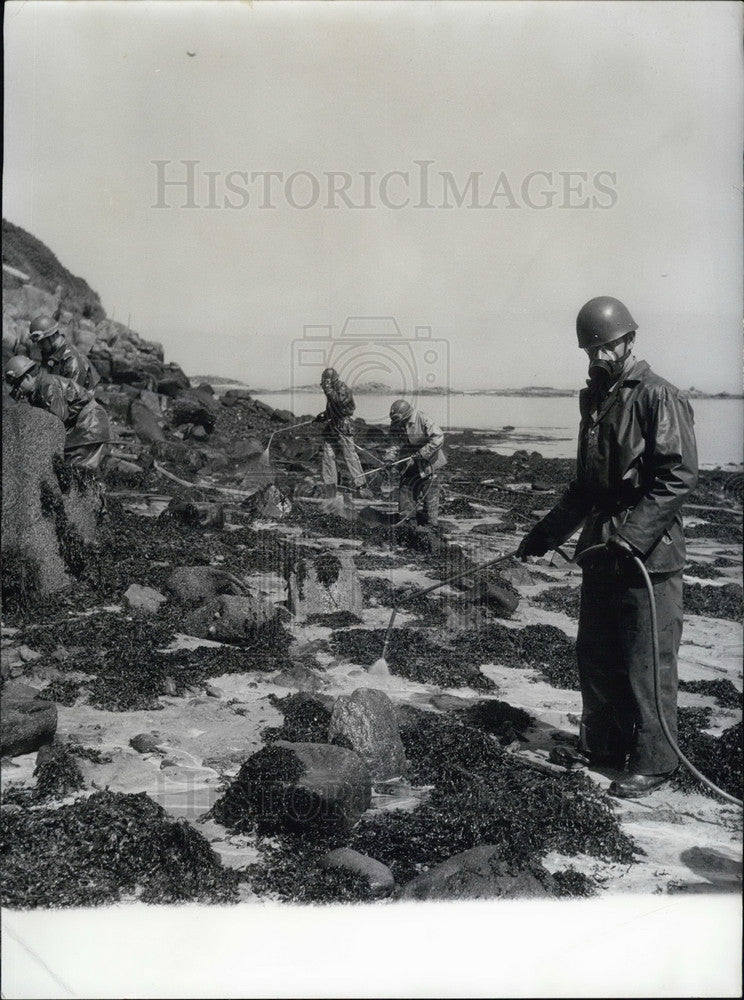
[103,848]
[725,693]
[411,654]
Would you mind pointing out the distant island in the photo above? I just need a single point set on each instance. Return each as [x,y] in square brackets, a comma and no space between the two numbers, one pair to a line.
[382,389]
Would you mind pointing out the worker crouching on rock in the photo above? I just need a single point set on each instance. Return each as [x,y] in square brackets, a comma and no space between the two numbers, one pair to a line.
[87,427]
[340,406]
[636,466]
[58,356]
[418,439]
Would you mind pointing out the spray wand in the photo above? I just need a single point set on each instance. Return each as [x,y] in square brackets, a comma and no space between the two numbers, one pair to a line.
[380,666]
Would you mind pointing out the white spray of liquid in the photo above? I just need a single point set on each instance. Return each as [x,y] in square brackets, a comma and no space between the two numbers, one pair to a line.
[380,668]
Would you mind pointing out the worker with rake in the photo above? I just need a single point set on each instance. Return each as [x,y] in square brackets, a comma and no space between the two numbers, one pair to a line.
[338,431]
[417,439]
[636,466]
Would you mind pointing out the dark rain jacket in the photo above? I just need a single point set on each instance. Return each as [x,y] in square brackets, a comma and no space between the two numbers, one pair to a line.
[85,420]
[69,362]
[419,438]
[636,465]
[339,407]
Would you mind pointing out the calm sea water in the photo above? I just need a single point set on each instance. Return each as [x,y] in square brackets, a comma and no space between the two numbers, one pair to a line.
[547,425]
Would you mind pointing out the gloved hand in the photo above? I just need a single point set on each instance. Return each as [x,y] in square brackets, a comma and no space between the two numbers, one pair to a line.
[320,418]
[531,545]
[619,548]
[405,466]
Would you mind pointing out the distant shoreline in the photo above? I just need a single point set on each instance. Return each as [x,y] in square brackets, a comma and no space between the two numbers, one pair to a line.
[527,392]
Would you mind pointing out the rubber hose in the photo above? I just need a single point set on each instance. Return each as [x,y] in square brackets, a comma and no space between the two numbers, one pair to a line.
[657,678]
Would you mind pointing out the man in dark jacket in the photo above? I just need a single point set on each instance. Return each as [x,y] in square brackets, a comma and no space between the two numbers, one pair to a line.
[87,427]
[58,355]
[636,465]
[338,431]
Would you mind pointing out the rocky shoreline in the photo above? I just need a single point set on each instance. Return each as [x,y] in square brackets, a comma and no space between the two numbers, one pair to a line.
[192,706]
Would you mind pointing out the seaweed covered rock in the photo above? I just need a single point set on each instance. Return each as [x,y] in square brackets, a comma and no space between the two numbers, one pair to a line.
[378,876]
[49,515]
[328,582]
[479,873]
[312,788]
[366,720]
[192,585]
[195,407]
[229,618]
[26,724]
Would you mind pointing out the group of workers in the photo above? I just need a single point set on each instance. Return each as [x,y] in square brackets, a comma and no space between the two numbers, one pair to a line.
[636,466]
[62,383]
[415,450]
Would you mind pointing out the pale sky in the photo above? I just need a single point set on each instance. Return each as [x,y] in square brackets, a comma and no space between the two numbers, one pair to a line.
[605,140]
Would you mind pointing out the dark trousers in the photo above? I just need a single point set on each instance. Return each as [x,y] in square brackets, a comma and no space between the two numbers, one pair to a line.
[415,492]
[615,659]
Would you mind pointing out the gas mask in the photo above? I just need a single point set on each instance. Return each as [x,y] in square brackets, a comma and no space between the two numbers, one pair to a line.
[603,372]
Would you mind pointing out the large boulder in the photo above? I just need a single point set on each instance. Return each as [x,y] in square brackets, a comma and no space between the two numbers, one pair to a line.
[117,401]
[366,719]
[379,877]
[143,421]
[195,407]
[25,724]
[178,453]
[48,522]
[192,585]
[328,582]
[300,786]
[173,380]
[229,618]
[134,368]
[478,873]
[246,448]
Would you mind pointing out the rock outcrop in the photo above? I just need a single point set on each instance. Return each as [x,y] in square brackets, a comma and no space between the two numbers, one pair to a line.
[25,724]
[366,719]
[49,521]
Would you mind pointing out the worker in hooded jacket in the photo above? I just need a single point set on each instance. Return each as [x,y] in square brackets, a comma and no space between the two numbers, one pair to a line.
[58,356]
[419,440]
[87,427]
[636,466]
[338,430]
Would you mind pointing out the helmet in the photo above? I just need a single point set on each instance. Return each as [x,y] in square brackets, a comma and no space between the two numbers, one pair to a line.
[42,327]
[400,411]
[17,367]
[329,374]
[602,320]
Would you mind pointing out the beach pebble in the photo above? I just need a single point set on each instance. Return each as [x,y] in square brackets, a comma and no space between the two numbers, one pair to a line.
[144,743]
[144,598]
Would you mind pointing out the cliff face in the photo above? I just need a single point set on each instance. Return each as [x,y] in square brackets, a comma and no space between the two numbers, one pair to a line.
[27,254]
